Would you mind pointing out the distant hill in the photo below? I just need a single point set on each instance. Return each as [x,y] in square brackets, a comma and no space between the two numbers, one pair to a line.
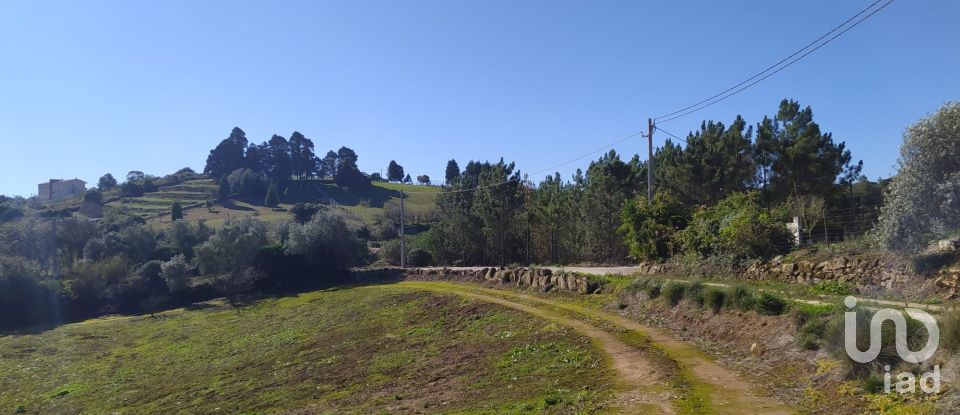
[368,205]
[194,191]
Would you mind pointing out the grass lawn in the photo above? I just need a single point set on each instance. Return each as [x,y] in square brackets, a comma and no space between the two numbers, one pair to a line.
[381,349]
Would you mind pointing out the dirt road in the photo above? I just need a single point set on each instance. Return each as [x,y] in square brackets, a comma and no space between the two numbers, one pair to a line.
[695,384]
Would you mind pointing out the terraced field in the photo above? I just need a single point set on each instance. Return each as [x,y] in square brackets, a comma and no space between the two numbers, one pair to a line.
[190,193]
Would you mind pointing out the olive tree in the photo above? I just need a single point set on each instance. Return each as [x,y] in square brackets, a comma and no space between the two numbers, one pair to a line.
[923,200]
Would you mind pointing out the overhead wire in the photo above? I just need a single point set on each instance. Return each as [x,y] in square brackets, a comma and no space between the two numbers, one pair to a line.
[690,109]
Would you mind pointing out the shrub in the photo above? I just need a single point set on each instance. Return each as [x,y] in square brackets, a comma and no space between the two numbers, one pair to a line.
[741,298]
[327,242]
[637,285]
[833,287]
[770,304]
[714,298]
[674,292]
[176,273]
[738,226]
[419,258]
[950,329]
[654,290]
[695,293]
[649,228]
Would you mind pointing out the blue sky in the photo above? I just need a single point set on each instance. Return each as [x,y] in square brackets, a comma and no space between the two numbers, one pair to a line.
[112,86]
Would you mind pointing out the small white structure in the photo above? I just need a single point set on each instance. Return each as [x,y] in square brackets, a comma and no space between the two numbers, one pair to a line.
[58,189]
[794,229]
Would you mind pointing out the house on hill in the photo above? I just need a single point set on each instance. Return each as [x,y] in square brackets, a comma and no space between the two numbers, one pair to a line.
[58,189]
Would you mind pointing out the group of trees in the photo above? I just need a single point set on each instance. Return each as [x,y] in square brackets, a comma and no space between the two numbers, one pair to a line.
[253,169]
[55,270]
[727,183]
[395,174]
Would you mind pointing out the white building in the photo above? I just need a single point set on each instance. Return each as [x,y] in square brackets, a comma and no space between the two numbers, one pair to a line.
[58,189]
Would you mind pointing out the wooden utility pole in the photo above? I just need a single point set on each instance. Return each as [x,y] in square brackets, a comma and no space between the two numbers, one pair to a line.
[650,160]
[403,244]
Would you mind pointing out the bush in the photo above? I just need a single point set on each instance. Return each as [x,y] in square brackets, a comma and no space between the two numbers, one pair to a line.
[649,228]
[833,287]
[950,329]
[654,290]
[770,304]
[327,242]
[176,273]
[736,226]
[714,299]
[419,258]
[695,293]
[742,298]
[674,292]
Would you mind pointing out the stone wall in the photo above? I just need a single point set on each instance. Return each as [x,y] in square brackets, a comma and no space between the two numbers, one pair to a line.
[862,271]
[541,278]
[949,280]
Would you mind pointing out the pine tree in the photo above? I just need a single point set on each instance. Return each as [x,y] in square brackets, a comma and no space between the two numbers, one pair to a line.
[453,171]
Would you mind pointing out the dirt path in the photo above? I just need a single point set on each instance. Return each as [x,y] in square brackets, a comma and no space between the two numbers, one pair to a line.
[644,385]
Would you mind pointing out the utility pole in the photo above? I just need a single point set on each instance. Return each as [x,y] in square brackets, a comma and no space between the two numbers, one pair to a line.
[650,160]
[403,245]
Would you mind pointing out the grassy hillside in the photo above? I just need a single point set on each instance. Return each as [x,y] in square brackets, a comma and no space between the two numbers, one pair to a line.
[369,205]
[190,193]
[358,350]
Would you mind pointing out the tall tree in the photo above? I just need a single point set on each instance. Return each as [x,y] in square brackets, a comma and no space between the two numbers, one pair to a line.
[228,155]
[717,162]
[278,154]
[498,208]
[453,171]
[107,182]
[807,160]
[329,165]
[257,158]
[302,158]
[609,182]
[394,172]
[347,174]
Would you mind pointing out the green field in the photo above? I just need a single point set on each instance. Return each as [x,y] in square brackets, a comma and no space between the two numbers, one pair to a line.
[190,193]
[380,349]
[368,205]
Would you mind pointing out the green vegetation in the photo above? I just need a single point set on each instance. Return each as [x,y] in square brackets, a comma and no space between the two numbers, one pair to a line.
[356,350]
[714,298]
[921,202]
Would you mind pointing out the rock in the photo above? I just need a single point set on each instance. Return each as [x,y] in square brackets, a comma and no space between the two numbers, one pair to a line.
[756,349]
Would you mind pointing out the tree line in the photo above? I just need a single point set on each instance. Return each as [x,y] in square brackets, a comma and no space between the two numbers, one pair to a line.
[752,178]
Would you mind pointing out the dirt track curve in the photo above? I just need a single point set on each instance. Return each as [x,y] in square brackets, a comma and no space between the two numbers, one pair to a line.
[646,386]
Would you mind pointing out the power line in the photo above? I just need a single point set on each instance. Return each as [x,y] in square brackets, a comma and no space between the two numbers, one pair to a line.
[727,94]
[670,134]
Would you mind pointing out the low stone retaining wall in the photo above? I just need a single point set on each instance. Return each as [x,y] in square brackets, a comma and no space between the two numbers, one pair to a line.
[542,278]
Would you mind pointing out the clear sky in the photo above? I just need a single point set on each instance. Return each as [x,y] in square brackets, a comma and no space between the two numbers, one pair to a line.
[88,87]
